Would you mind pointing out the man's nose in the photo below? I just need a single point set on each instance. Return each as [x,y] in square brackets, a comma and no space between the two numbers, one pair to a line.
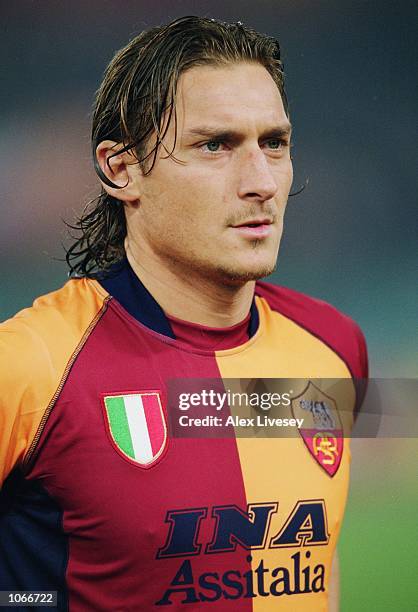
[256,180]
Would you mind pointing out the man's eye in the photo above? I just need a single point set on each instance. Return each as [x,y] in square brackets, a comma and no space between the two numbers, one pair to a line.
[213,146]
[276,143]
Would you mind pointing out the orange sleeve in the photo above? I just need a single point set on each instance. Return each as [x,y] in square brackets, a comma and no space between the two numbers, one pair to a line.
[37,348]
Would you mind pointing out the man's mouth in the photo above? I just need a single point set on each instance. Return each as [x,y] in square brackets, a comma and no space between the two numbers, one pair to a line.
[255,228]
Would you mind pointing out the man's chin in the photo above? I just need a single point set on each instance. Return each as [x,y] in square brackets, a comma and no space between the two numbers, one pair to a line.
[241,275]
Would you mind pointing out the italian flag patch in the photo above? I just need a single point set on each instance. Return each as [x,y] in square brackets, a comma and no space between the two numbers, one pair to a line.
[136,424]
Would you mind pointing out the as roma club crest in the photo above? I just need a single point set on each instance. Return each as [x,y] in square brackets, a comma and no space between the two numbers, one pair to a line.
[136,425]
[322,429]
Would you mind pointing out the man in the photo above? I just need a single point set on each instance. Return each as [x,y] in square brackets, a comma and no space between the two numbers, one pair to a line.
[191,140]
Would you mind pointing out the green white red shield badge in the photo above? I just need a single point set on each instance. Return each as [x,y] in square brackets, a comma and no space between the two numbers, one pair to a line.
[136,426]
[322,429]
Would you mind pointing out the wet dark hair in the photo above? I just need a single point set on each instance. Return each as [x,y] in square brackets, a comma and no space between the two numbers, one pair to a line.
[136,100]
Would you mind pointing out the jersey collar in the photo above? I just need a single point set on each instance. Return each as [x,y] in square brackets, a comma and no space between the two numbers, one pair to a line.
[121,282]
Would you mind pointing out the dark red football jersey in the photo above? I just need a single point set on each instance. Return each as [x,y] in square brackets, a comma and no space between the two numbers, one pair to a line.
[103,503]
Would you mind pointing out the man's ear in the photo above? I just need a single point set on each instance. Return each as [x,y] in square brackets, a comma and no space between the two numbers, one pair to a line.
[120,169]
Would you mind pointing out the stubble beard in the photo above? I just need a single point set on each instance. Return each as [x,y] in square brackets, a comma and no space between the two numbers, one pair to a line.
[234,276]
[230,274]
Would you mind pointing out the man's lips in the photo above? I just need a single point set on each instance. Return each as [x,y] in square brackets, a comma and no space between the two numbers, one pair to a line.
[255,222]
[255,228]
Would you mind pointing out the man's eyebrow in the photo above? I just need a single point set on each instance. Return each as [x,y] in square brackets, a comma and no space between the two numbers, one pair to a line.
[220,133]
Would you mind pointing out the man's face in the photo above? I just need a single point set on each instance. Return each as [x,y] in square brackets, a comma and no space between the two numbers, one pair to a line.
[217,212]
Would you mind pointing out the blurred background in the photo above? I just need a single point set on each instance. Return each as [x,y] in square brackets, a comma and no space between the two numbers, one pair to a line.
[350,237]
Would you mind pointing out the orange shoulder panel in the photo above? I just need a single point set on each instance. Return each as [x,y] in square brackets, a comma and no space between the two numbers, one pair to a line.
[37,347]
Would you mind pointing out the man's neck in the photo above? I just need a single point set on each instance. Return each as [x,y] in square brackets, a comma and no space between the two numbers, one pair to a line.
[186,297]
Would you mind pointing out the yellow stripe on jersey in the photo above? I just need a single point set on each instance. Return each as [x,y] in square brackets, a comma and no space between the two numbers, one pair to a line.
[282,469]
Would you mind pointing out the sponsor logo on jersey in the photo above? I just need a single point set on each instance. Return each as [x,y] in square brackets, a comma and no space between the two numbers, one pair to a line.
[136,426]
[322,431]
[297,577]
[234,529]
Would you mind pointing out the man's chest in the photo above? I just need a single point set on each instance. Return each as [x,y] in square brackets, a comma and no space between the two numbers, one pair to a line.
[178,519]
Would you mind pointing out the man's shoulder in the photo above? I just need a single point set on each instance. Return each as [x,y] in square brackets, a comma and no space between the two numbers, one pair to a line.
[319,318]
[303,308]
[37,348]
[52,327]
